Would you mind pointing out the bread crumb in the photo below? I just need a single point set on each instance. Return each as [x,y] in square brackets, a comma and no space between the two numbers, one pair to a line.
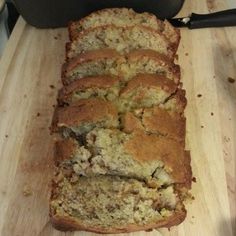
[27,191]
[231,80]
[57,36]
[199,95]
[226,139]
[52,86]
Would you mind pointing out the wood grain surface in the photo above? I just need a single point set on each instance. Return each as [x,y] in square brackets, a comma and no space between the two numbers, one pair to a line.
[29,79]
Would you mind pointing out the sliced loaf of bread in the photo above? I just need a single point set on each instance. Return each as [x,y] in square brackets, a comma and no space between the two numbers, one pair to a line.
[122,39]
[120,158]
[124,17]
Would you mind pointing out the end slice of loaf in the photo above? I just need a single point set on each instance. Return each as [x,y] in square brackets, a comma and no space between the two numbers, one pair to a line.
[124,17]
[122,39]
[109,62]
[111,204]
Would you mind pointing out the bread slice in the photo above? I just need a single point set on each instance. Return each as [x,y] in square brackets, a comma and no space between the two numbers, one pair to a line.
[124,17]
[110,62]
[84,115]
[122,39]
[111,204]
[137,155]
[92,63]
[106,87]
[145,90]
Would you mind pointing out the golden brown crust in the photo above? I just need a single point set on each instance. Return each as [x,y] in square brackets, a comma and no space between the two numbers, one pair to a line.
[139,53]
[158,121]
[84,111]
[67,223]
[150,81]
[169,124]
[147,147]
[99,81]
[171,33]
[180,100]
[86,57]
[68,48]
[64,149]
[130,123]
[72,31]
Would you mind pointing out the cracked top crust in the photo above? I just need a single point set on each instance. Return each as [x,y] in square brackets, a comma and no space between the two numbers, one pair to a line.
[85,111]
[157,121]
[150,81]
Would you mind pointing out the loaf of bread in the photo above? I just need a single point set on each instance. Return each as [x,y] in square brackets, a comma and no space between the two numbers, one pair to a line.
[120,158]
[122,39]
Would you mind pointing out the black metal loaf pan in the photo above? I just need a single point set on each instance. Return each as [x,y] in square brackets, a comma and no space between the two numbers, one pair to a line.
[57,13]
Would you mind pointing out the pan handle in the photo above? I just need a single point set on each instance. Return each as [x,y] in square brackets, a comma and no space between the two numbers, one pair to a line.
[217,19]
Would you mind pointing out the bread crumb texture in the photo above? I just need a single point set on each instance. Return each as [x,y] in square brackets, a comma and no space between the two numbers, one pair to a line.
[111,201]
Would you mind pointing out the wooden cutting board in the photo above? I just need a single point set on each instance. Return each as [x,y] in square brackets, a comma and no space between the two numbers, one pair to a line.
[29,79]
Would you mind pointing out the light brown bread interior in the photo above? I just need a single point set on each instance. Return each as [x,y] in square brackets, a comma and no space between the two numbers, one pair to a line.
[122,39]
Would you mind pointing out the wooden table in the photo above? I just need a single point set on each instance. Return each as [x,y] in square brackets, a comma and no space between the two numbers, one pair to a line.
[29,78]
